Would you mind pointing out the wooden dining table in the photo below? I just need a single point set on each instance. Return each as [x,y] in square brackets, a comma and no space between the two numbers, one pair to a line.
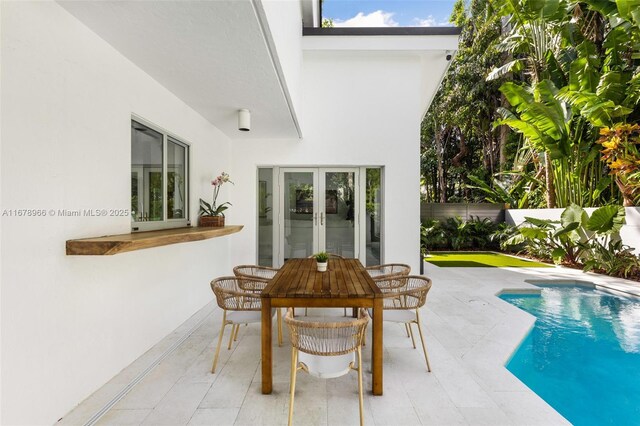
[345,284]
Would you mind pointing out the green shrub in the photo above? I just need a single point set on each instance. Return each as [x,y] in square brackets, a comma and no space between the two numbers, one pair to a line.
[431,236]
[572,239]
[613,258]
[458,234]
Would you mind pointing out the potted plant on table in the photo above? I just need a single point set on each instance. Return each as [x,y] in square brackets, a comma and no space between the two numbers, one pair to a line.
[213,214]
[321,259]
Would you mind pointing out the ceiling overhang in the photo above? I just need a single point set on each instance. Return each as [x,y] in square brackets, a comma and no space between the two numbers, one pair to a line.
[213,55]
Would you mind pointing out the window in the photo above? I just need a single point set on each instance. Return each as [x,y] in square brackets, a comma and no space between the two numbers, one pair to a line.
[159,178]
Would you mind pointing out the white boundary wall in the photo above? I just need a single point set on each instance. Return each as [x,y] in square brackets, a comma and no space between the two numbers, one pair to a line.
[630,231]
[70,323]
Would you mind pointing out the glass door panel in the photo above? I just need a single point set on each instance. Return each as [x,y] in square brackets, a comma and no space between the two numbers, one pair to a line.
[300,213]
[373,215]
[338,215]
[266,247]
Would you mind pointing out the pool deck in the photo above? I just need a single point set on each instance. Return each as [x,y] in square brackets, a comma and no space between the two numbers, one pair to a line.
[470,334]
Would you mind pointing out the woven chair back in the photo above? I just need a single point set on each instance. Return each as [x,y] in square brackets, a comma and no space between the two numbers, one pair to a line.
[254,271]
[390,281]
[404,292]
[231,295]
[388,269]
[331,256]
[326,338]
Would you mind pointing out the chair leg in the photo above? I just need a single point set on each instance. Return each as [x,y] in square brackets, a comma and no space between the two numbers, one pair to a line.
[233,333]
[364,336]
[235,338]
[406,328]
[292,387]
[360,396]
[424,348]
[279,327]
[215,358]
[408,324]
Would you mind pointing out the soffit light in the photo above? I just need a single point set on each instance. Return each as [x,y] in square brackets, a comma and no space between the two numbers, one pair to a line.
[244,120]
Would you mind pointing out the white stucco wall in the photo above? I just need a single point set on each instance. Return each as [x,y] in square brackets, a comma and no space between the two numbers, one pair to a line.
[630,232]
[361,108]
[285,25]
[70,323]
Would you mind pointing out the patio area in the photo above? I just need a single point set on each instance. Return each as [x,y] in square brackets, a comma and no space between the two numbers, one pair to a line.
[470,334]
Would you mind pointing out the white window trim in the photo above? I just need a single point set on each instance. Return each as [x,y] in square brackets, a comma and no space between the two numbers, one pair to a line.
[166,223]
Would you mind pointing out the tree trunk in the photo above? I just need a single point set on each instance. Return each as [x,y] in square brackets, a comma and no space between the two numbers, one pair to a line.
[502,140]
[462,150]
[439,155]
[551,189]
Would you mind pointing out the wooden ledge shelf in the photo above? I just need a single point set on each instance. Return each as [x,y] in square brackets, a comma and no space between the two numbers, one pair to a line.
[114,244]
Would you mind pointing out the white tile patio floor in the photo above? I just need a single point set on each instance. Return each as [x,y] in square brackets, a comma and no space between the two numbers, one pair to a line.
[470,333]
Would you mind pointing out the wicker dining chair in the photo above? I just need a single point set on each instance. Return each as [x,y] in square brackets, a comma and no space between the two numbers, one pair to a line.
[255,271]
[331,256]
[261,273]
[388,269]
[326,350]
[239,306]
[403,298]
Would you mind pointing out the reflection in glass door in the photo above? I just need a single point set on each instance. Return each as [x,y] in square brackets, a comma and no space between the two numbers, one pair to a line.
[319,212]
[338,212]
[300,205]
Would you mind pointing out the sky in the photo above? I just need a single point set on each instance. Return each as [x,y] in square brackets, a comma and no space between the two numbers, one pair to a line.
[388,13]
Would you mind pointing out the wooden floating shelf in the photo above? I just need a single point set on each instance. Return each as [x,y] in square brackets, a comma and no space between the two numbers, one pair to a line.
[114,244]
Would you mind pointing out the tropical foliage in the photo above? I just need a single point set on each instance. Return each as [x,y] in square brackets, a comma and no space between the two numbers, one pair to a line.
[551,77]
[458,234]
[578,239]
[621,151]
[457,132]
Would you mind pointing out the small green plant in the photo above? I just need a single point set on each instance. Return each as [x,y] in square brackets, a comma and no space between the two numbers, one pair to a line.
[321,257]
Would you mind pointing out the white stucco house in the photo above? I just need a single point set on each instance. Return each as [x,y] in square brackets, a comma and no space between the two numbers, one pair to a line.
[103,103]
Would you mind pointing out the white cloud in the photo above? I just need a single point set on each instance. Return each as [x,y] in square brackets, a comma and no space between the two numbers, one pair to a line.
[430,21]
[379,18]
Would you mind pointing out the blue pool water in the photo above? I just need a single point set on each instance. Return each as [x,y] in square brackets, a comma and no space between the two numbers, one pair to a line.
[583,354]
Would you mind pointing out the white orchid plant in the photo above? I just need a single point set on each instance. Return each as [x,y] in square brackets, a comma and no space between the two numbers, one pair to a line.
[213,209]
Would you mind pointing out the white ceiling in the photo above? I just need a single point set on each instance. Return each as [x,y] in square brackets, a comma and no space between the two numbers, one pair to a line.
[211,54]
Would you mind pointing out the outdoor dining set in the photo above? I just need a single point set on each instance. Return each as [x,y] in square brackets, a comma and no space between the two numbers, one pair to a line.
[324,347]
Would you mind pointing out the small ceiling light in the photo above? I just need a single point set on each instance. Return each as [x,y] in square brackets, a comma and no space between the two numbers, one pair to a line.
[244,120]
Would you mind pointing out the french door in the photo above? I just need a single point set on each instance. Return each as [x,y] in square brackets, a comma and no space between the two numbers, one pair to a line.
[319,211]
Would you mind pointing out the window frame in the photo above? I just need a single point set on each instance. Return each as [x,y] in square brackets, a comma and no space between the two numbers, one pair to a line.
[165,223]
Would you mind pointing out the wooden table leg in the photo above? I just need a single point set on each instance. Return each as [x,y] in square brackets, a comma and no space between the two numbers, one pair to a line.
[267,367]
[376,348]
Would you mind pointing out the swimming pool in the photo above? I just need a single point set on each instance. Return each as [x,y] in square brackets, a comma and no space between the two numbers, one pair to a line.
[583,354]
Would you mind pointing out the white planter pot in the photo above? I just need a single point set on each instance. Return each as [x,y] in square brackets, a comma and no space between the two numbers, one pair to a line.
[322,266]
